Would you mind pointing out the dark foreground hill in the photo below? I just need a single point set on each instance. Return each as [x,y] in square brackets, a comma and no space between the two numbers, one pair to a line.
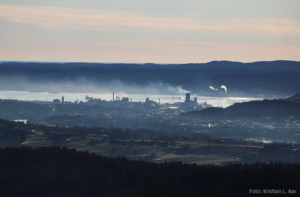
[55,171]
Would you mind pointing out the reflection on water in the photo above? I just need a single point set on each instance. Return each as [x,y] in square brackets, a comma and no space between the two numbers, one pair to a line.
[21,120]
[45,96]
[265,141]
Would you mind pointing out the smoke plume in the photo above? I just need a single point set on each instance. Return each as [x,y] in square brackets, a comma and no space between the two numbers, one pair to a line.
[225,88]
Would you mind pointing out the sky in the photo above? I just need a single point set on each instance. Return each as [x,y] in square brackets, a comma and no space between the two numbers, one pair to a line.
[144,31]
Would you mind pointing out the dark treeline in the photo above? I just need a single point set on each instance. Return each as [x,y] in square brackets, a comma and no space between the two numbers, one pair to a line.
[55,171]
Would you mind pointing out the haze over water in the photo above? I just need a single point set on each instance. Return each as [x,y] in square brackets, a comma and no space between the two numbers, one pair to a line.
[45,96]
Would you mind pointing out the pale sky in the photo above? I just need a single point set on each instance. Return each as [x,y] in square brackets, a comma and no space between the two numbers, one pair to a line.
[142,31]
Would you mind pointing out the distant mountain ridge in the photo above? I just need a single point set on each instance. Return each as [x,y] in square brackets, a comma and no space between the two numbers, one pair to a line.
[260,65]
[280,78]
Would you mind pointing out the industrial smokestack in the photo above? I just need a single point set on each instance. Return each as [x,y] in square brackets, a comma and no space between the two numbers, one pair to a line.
[187,97]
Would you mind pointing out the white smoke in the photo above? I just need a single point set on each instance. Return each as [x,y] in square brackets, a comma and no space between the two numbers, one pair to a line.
[180,90]
[123,94]
[225,88]
[211,87]
[90,85]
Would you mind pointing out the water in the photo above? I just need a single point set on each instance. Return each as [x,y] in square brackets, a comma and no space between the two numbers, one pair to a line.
[265,141]
[21,120]
[45,96]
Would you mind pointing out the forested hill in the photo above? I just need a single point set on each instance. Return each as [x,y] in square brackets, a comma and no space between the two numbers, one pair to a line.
[279,108]
[264,105]
[242,79]
[295,98]
[264,65]
[55,171]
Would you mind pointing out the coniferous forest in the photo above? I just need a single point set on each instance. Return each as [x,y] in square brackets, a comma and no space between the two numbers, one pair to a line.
[58,171]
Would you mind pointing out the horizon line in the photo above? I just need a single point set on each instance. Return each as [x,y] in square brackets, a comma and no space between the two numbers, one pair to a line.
[62,62]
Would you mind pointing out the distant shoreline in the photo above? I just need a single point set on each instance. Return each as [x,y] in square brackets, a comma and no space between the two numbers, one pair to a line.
[49,97]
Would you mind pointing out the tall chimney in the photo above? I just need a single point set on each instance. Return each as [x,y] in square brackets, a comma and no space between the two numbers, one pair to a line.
[187,97]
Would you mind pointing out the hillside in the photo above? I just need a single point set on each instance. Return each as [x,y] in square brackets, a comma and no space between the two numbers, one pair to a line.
[295,98]
[264,105]
[242,79]
[54,171]
[263,65]
[253,109]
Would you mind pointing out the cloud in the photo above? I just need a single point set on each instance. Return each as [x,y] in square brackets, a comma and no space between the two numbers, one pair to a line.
[57,18]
